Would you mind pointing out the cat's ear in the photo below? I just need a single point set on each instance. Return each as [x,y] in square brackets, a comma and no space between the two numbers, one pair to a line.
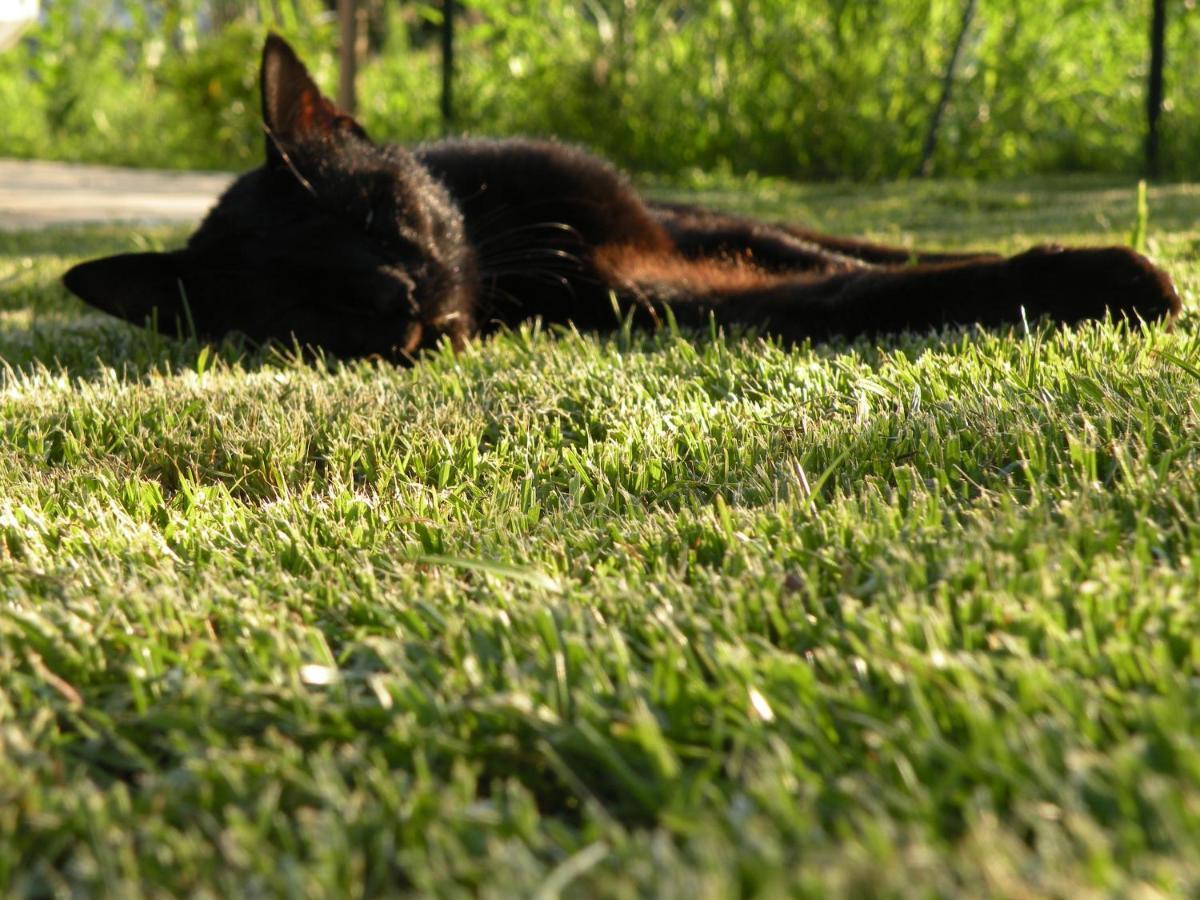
[137,287]
[293,107]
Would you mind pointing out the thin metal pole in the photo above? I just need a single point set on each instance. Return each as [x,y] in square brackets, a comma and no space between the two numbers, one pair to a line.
[447,65]
[1154,90]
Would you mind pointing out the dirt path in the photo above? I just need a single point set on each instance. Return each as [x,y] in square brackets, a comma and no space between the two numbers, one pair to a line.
[35,194]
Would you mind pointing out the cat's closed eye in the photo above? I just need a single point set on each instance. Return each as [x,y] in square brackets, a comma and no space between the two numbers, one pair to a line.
[398,291]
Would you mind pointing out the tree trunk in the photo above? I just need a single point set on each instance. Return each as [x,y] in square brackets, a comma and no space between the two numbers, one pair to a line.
[447,65]
[935,123]
[348,22]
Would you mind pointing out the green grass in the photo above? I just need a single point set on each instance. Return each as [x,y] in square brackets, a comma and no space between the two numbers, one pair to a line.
[644,614]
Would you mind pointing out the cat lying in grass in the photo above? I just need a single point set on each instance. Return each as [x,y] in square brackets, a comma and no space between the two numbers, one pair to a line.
[365,249]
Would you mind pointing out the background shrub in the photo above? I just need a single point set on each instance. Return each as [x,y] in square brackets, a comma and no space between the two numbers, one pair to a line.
[803,88]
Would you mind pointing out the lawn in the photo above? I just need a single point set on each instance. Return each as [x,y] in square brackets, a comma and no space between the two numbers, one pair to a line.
[691,615]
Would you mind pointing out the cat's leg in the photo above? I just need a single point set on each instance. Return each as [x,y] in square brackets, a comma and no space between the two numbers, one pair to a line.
[881,254]
[1062,285]
[700,234]
[704,234]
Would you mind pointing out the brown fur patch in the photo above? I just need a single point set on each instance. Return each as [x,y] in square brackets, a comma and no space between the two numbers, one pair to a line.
[667,275]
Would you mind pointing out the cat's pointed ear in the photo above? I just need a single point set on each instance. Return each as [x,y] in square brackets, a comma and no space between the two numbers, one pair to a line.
[137,287]
[293,107]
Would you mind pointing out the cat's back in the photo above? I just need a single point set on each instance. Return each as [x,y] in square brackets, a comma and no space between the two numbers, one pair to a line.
[539,180]
[520,166]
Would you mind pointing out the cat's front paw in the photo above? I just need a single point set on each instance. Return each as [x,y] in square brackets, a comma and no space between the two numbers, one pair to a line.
[1077,284]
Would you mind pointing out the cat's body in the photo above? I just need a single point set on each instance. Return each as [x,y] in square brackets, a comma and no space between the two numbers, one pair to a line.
[362,249]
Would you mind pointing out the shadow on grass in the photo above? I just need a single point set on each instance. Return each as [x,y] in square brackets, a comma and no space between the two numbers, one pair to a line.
[87,346]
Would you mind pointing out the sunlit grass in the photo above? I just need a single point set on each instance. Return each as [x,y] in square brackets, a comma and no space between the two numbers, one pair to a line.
[617,615]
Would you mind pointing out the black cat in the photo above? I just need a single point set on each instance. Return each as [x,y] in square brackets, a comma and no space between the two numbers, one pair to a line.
[362,249]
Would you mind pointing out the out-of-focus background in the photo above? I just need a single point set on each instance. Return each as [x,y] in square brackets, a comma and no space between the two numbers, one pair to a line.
[810,89]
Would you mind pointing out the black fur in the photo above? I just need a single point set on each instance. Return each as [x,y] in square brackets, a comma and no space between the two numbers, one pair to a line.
[362,249]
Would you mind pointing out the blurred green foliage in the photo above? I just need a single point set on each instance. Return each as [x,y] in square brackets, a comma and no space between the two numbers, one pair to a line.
[804,88]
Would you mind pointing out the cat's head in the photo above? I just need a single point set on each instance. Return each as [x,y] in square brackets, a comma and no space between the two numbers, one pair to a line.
[335,242]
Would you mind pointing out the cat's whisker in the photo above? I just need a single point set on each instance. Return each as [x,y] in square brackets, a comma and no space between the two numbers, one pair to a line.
[530,255]
[495,293]
[283,154]
[549,227]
